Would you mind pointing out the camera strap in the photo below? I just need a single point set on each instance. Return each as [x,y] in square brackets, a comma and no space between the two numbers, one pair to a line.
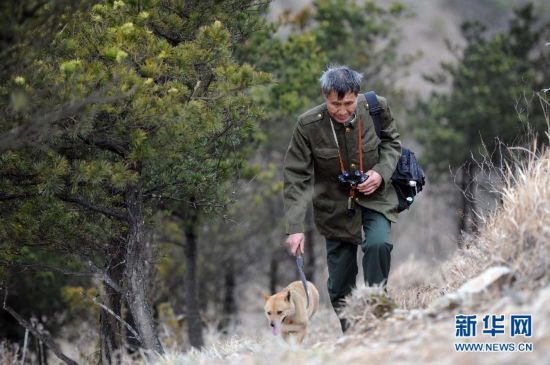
[352,191]
[359,139]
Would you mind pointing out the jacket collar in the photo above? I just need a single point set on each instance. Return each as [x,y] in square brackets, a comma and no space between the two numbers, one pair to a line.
[351,124]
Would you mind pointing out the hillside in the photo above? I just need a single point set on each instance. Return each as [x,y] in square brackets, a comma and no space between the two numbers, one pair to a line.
[504,270]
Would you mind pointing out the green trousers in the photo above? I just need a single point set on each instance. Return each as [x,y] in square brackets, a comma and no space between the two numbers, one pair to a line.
[342,259]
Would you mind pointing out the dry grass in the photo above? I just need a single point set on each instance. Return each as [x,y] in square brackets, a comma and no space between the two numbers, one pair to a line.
[519,235]
[414,284]
[9,353]
[516,235]
[366,306]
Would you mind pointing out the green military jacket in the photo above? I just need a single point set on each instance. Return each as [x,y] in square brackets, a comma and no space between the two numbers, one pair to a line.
[311,168]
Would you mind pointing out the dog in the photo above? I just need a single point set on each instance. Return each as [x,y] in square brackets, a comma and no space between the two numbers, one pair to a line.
[287,311]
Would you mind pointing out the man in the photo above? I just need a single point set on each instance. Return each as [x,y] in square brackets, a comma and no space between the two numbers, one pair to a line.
[328,141]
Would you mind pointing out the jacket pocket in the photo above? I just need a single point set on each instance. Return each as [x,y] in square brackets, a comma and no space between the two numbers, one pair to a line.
[370,156]
[324,207]
[326,153]
[326,162]
[323,212]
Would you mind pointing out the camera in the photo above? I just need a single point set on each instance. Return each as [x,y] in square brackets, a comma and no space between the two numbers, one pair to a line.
[347,180]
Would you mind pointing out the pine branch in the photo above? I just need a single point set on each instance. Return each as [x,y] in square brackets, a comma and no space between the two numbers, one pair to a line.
[160,33]
[94,208]
[4,198]
[105,145]
[22,133]
[30,12]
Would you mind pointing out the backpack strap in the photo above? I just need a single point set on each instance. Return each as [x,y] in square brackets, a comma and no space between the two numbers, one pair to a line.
[374,110]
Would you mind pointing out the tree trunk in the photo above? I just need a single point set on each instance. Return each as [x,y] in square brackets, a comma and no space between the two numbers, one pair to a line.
[468,221]
[110,336]
[273,269]
[191,288]
[309,248]
[108,332]
[229,307]
[472,193]
[139,266]
[42,359]
[462,224]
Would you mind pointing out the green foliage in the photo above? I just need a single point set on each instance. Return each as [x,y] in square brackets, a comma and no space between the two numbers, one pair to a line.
[362,35]
[173,118]
[350,33]
[79,299]
[180,131]
[179,106]
[27,26]
[493,94]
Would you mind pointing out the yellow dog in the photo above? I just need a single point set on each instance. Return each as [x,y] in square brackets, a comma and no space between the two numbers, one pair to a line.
[287,311]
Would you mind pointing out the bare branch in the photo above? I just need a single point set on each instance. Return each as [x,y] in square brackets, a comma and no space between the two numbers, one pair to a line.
[96,272]
[118,318]
[105,277]
[42,336]
[39,267]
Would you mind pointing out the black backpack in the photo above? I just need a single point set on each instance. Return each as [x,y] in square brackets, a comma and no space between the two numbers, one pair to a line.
[408,178]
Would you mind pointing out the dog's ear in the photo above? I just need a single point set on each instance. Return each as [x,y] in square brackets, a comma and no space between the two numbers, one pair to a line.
[265,296]
[288,296]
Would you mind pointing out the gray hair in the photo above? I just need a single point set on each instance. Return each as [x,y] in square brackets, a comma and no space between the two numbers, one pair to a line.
[341,80]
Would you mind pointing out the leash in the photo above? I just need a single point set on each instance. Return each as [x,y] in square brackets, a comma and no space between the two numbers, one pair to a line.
[300,265]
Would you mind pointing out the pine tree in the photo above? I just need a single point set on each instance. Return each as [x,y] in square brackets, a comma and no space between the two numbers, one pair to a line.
[175,117]
[492,103]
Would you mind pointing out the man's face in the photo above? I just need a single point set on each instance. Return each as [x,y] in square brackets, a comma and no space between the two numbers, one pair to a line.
[341,110]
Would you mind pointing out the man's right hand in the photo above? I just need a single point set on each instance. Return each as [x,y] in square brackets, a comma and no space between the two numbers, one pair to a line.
[295,243]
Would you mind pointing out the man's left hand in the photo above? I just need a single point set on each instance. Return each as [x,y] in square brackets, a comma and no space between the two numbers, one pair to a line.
[372,183]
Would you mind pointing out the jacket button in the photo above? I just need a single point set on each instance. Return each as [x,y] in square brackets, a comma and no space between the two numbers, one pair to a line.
[353,166]
[319,115]
[348,130]
[357,199]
